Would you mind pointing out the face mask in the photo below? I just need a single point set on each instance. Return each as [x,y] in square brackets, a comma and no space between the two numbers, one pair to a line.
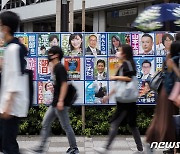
[50,58]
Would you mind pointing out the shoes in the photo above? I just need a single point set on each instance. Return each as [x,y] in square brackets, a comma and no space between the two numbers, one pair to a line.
[139,152]
[102,150]
[72,151]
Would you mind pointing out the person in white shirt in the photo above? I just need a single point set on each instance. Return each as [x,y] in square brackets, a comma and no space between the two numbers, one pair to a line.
[101,74]
[12,99]
[92,47]
[147,44]
[146,67]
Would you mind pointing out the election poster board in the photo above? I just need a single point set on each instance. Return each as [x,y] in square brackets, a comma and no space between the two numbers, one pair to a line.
[90,61]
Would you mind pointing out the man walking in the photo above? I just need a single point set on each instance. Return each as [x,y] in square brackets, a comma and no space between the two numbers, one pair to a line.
[58,108]
[12,100]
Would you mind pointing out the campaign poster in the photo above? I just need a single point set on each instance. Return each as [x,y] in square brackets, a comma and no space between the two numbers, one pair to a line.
[145,67]
[32,44]
[146,95]
[46,41]
[163,43]
[80,92]
[115,40]
[32,65]
[23,39]
[95,91]
[73,66]
[114,64]
[72,44]
[43,69]
[146,44]
[100,69]
[135,43]
[96,44]
[159,63]
[89,68]
[45,92]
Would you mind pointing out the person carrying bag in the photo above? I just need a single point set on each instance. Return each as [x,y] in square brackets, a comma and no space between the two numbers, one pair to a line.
[126,110]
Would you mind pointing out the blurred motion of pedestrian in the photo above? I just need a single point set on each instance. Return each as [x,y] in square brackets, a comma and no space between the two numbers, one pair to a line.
[162,127]
[12,100]
[125,113]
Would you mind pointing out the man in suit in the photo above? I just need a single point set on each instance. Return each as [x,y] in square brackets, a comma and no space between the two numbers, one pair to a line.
[101,74]
[92,47]
[146,67]
[147,44]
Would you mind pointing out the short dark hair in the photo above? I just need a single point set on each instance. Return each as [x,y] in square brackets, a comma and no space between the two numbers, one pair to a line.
[147,35]
[74,36]
[165,36]
[51,37]
[93,36]
[146,61]
[56,50]
[11,20]
[101,61]
[42,47]
[178,36]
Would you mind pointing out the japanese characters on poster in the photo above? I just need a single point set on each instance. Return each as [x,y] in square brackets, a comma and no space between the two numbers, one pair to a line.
[72,44]
[96,44]
[72,66]
[90,61]
[45,92]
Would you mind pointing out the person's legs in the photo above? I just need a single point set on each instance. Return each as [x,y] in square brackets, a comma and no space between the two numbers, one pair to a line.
[10,132]
[137,138]
[49,117]
[114,128]
[63,117]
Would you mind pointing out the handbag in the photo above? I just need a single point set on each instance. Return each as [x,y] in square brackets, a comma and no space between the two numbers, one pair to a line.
[71,95]
[127,92]
[156,81]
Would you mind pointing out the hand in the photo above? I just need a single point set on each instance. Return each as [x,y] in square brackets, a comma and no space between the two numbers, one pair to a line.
[105,99]
[5,114]
[60,105]
[112,78]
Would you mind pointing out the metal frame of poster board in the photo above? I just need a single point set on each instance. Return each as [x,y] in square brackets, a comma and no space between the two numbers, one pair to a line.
[85,75]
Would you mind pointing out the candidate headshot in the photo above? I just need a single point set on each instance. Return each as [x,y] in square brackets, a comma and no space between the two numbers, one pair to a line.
[100,74]
[146,68]
[92,46]
[147,44]
[75,45]
[53,40]
[167,40]
[115,44]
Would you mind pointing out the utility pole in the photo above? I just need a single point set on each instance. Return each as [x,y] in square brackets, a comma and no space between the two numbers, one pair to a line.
[58,15]
[64,15]
[71,15]
[83,30]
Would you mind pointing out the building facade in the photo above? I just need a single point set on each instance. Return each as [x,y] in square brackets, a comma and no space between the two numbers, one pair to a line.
[101,15]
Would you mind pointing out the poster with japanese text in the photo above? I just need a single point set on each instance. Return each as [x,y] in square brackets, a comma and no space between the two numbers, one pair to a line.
[95,91]
[159,63]
[73,66]
[35,102]
[89,71]
[43,69]
[115,40]
[45,92]
[96,44]
[114,65]
[145,67]
[72,44]
[46,41]
[163,43]
[32,65]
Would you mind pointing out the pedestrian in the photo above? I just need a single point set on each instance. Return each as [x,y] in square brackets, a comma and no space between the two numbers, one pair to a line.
[12,100]
[125,112]
[57,108]
[162,127]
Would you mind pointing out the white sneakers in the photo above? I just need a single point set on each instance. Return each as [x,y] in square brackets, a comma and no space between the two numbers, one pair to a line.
[102,150]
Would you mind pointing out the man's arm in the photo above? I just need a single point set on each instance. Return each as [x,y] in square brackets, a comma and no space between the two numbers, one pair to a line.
[62,95]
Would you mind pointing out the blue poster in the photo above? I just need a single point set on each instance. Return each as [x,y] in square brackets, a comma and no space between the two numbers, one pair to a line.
[89,68]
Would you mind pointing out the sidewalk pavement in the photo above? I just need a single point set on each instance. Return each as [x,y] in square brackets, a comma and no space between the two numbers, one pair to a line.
[59,144]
